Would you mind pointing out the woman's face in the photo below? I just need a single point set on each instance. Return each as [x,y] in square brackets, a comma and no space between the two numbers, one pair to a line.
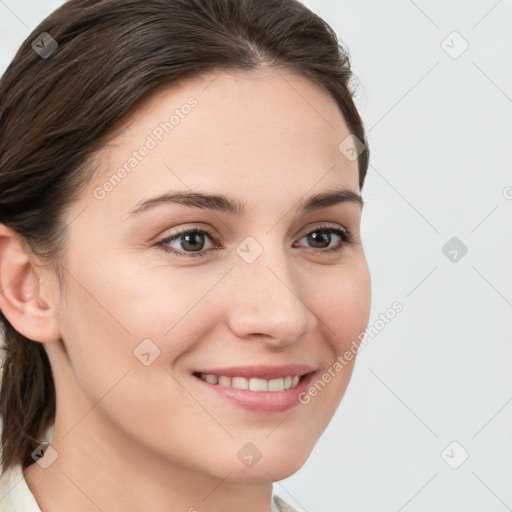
[251,287]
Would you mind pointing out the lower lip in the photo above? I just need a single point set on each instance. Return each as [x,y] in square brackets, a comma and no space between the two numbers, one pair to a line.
[260,401]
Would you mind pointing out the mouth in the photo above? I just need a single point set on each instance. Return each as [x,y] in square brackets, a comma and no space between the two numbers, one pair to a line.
[264,389]
[254,384]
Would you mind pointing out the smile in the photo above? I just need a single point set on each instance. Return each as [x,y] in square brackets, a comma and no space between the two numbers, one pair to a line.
[260,389]
[253,384]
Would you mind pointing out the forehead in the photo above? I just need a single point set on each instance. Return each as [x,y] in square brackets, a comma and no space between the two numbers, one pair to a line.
[242,132]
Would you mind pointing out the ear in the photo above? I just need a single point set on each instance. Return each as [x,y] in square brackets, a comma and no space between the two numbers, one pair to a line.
[23,300]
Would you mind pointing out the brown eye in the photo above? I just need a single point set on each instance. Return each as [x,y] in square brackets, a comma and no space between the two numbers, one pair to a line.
[319,238]
[190,241]
[322,237]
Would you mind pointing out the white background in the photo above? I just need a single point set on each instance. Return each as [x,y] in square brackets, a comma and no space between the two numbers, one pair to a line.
[440,135]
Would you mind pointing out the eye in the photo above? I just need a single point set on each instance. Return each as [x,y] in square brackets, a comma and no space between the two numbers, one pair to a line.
[193,240]
[323,235]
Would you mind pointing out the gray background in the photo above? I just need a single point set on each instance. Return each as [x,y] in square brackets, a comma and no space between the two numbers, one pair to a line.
[439,122]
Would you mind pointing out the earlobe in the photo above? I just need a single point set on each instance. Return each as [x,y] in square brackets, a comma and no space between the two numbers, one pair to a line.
[22,298]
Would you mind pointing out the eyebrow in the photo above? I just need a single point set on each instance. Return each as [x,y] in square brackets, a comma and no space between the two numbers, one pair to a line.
[222,203]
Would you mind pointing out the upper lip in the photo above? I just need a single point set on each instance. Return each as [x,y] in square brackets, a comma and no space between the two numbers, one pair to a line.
[260,371]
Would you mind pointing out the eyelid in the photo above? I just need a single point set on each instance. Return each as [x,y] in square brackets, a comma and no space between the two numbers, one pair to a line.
[192,227]
[321,226]
[346,239]
[213,233]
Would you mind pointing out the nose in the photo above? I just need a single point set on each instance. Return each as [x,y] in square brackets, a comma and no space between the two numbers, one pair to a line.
[266,303]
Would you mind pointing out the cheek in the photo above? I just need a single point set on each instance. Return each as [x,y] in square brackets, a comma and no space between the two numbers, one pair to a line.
[98,343]
[103,327]
[344,306]
[114,324]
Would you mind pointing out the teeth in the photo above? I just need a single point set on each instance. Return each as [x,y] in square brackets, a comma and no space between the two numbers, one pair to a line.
[239,382]
[212,379]
[253,384]
[276,385]
[225,381]
[258,384]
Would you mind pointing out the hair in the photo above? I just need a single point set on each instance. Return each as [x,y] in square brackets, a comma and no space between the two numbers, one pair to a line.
[57,112]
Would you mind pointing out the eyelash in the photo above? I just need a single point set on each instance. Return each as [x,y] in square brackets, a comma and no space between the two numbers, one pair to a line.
[346,239]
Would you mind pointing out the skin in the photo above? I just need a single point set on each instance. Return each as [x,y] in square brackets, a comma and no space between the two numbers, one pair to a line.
[132,437]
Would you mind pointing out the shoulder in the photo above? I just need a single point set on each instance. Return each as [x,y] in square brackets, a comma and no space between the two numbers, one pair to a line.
[279,505]
[15,495]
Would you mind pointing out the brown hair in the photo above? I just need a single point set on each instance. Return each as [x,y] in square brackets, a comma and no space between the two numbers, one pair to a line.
[57,110]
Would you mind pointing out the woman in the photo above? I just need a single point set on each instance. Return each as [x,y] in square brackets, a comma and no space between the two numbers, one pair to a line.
[180,256]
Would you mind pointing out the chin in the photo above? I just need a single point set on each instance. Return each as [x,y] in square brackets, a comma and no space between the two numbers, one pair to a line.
[269,468]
